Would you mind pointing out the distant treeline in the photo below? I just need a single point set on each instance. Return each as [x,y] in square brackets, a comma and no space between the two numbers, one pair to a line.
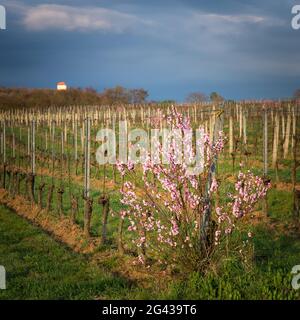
[30,98]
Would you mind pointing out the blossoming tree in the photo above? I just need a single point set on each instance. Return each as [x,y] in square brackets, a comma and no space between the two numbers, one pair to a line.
[177,216]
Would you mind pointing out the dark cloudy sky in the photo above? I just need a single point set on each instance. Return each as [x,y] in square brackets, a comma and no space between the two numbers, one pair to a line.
[242,49]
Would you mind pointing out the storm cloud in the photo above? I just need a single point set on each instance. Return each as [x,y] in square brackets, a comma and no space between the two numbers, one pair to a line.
[169,47]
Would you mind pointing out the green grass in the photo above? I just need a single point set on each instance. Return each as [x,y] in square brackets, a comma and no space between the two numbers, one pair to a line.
[269,278]
[40,268]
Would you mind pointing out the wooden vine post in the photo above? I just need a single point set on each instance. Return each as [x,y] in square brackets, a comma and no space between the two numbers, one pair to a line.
[287,137]
[33,147]
[51,188]
[13,146]
[88,208]
[61,190]
[73,198]
[230,134]
[296,191]
[74,208]
[15,173]
[4,154]
[275,145]
[265,156]
[20,175]
[42,182]
[75,145]
[30,179]
[104,202]
[125,159]
[28,142]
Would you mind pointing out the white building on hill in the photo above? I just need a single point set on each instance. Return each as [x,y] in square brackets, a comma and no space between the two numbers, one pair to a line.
[61,86]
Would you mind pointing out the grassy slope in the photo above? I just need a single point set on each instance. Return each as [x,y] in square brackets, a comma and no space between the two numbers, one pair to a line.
[269,278]
[40,268]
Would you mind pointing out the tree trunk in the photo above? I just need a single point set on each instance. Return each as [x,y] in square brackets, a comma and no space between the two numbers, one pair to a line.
[104,201]
[142,247]
[50,197]
[120,236]
[30,187]
[16,178]
[21,177]
[60,193]
[4,176]
[40,195]
[10,181]
[74,208]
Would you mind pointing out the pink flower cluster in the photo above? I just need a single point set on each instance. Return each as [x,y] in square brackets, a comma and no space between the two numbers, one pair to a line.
[249,189]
